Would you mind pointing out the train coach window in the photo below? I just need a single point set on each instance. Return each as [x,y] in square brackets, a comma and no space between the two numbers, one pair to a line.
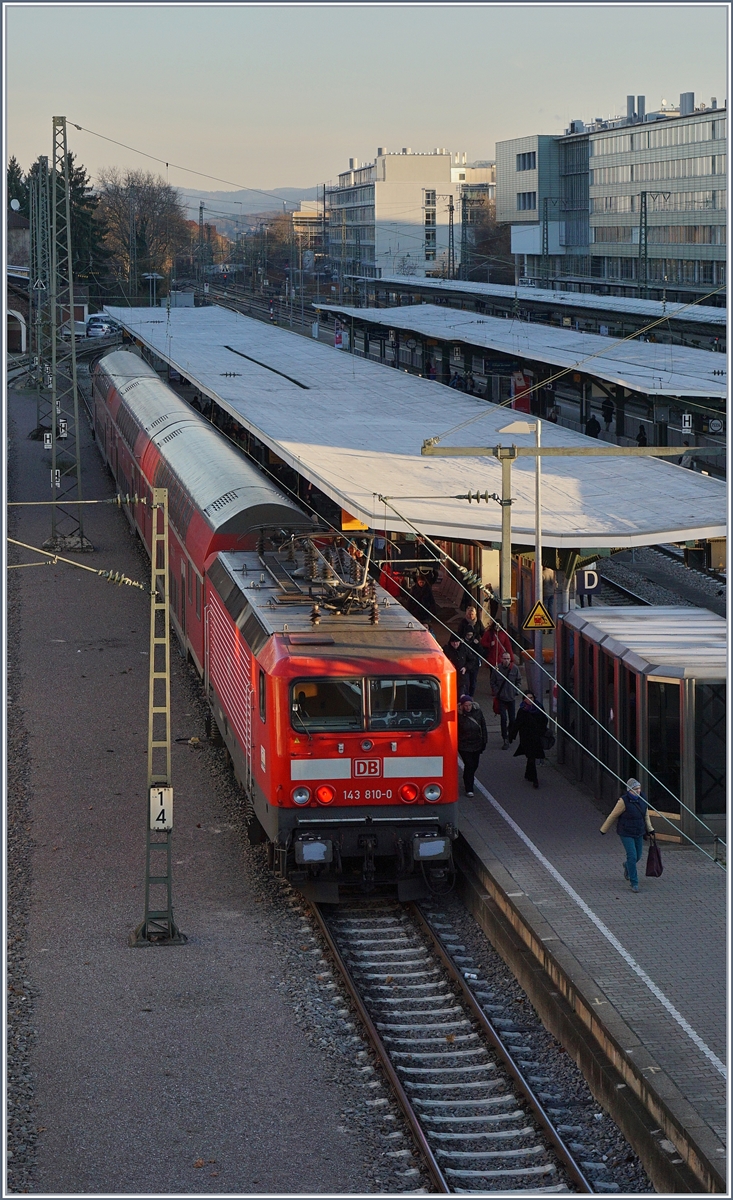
[327,705]
[403,703]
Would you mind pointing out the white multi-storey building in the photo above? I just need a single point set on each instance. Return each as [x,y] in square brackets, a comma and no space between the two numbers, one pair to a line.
[632,205]
[401,214]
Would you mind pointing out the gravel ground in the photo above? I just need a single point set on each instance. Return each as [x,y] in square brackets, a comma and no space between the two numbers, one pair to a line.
[634,580]
[22,1121]
[657,577]
[588,1130]
[239,1046]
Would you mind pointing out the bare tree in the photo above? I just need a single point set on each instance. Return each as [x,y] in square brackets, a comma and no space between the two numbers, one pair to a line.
[145,221]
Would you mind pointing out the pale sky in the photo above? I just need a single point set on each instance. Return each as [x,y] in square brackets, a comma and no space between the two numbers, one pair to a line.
[283,95]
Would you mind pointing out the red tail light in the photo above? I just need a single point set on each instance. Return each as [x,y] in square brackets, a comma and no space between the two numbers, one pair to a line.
[325,793]
[409,793]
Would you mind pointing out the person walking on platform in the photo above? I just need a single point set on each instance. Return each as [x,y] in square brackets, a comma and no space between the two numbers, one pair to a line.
[592,426]
[472,738]
[530,723]
[641,436]
[505,689]
[471,631]
[495,644]
[607,410]
[456,652]
[633,821]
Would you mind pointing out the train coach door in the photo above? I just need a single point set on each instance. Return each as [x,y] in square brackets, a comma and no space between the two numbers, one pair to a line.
[183,598]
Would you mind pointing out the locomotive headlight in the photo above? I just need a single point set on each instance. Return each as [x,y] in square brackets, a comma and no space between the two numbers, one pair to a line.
[366,744]
[409,793]
[301,795]
[325,793]
[432,792]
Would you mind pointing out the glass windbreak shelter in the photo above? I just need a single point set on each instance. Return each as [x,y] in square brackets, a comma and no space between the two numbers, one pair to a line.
[643,693]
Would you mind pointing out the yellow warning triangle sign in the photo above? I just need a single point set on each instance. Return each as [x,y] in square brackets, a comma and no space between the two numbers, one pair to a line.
[539,618]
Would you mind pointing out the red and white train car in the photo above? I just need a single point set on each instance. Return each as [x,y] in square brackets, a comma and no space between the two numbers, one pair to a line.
[337,707]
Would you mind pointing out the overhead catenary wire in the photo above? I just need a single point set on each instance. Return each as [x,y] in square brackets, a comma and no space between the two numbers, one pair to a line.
[582,708]
[117,577]
[443,555]
[176,166]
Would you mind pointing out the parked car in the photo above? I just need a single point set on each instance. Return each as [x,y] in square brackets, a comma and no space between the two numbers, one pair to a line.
[100,325]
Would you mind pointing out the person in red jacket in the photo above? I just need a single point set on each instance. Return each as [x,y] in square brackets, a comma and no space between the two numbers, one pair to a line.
[495,643]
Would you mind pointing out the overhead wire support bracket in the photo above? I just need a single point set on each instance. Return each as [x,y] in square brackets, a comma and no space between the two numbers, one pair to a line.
[158,927]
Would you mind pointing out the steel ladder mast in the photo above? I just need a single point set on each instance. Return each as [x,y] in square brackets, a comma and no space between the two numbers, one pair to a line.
[67,530]
[158,926]
[40,296]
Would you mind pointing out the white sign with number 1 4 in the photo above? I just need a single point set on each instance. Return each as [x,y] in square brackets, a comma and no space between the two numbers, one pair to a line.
[161,809]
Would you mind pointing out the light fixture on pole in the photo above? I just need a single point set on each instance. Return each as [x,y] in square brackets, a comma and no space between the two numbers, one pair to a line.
[151,277]
[535,428]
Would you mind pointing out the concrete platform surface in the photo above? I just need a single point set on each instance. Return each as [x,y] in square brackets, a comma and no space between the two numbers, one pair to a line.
[658,958]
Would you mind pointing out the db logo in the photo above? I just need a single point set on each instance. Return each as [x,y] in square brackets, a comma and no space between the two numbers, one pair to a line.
[367,766]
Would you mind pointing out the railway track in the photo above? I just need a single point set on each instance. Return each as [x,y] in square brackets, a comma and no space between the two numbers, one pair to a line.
[463,1074]
[614,593]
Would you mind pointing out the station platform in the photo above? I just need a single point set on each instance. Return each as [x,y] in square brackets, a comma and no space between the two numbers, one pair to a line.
[650,967]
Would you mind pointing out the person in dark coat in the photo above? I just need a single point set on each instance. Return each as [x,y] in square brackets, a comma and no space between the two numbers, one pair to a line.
[592,426]
[456,652]
[530,723]
[641,437]
[607,410]
[505,689]
[472,738]
[471,631]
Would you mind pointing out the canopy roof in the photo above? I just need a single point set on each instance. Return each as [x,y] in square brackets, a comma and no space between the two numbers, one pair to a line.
[354,428]
[651,368]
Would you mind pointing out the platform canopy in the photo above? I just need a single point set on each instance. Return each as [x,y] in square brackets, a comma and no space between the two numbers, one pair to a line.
[688,643]
[354,428]
[649,368]
[618,306]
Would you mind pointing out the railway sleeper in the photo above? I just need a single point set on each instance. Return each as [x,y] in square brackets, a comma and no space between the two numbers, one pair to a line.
[493,1135]
[544,1169]
[493,1155]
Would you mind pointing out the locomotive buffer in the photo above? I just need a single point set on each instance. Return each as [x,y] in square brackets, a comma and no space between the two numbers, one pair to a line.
[158,927]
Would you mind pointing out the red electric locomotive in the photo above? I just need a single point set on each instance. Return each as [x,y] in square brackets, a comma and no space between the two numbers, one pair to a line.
[337,707]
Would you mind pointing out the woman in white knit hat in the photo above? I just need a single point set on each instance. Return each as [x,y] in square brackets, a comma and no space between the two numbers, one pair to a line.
[632,813]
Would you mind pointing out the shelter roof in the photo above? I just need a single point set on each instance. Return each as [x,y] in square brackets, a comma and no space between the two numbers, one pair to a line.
[622,306]
[674,642]
[651,368]
[354,428]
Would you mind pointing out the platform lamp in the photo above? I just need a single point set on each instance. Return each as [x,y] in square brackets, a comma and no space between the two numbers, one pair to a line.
[151,277]
[535,428]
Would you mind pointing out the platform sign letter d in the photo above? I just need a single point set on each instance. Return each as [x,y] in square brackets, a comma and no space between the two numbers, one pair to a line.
[161,809]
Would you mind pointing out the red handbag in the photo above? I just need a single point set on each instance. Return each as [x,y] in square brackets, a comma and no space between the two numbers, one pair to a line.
[497,706]
[653,859]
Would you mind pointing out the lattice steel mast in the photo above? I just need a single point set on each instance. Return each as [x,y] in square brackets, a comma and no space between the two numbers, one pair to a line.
[39,325]
[67,531]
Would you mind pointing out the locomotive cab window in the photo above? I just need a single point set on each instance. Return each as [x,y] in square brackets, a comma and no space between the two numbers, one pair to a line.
[411,703]
[327,705]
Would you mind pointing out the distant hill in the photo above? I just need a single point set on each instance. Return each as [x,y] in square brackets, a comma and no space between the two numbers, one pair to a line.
[224,209]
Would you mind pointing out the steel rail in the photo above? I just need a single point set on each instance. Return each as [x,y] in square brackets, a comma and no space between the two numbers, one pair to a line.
[619,587]
[511,1067]
[502,1052]
[410,1115]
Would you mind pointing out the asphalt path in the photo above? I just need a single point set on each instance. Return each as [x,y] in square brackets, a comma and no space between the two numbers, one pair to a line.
[161,1070]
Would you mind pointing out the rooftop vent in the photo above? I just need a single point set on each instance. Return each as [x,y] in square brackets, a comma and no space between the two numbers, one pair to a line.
[381,150]
[641,107]
[687,103]
[353,164]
